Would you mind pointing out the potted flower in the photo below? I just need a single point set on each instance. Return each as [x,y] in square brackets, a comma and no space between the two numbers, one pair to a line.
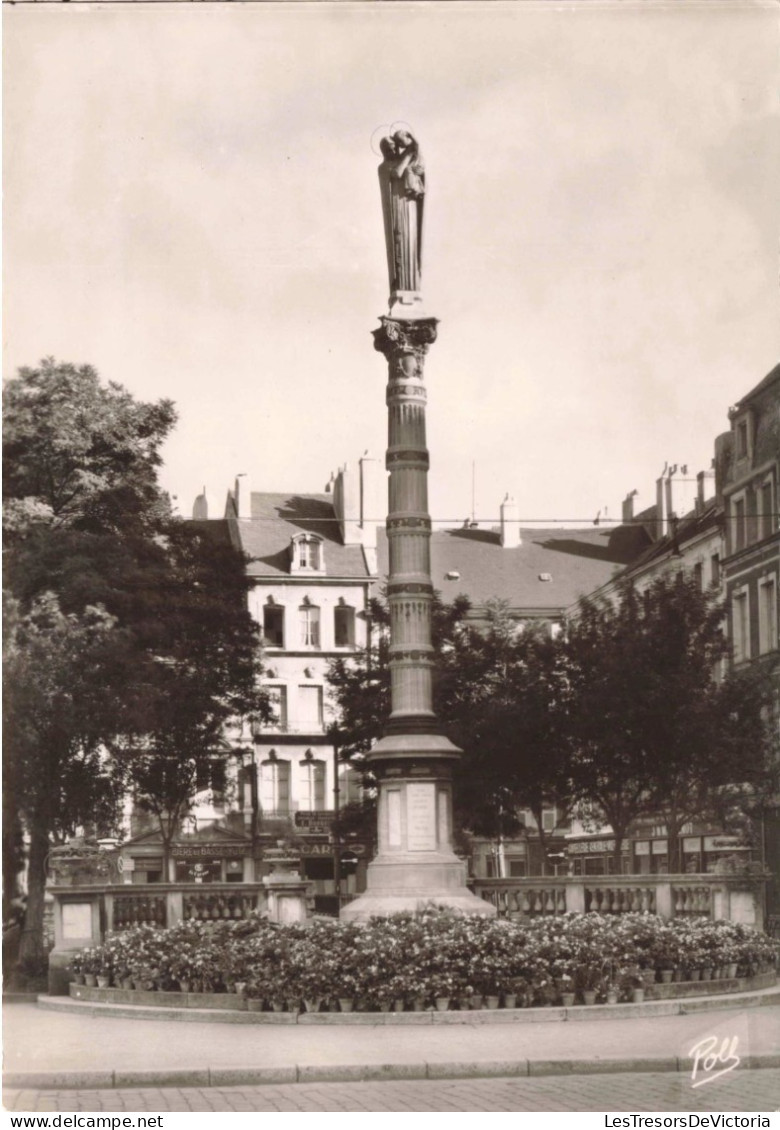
[76,967]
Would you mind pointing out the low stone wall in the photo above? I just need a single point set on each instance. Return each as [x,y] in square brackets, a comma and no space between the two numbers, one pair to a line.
[231,1002]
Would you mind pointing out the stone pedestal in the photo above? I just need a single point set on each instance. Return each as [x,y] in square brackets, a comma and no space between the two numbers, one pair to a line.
[286,891]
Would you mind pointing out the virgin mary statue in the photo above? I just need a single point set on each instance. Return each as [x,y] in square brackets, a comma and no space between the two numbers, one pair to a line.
[402,184]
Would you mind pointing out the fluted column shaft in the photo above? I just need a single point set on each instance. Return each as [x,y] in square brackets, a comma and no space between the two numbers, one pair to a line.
[410,591]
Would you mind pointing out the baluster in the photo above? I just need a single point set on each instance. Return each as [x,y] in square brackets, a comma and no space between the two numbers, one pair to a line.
[526,909]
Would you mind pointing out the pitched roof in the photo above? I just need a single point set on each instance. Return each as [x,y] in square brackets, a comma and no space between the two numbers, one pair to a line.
[577,560]
[772,376]
[276,518]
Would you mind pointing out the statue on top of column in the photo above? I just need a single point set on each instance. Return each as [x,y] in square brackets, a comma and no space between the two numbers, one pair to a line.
[402,184]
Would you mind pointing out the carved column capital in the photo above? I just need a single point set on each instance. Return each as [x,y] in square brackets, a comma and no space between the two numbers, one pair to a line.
[395,337]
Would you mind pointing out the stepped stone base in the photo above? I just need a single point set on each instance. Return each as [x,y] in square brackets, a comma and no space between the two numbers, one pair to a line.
[413,881]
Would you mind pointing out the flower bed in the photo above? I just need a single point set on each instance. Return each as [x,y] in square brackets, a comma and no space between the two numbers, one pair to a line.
[434,957]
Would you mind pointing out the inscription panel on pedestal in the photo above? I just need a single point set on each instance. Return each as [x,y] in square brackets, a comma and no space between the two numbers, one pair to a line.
[421,816]
[76,920]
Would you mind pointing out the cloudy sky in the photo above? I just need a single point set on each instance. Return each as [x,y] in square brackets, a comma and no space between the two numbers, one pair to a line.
[192,207]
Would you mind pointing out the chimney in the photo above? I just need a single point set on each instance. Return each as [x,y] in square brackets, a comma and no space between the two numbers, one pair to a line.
[243,496]
[510,524]
[628,506]
[373,504]
[700,492]
[200,508]
[680,491]
[661,513]
[346,503]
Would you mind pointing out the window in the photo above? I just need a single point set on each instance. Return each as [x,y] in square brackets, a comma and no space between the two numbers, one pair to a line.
[740,620]
[742,439]
[343,625]
[278,703]
[210,777]
[738,533]
[767,615]
[698,574]
[517,868]
[548,819]
[765,510]
[309,707]
[307,553]
[275,786]
[310,625]
[350,786]
[715,570]
[311,784]
[273,624]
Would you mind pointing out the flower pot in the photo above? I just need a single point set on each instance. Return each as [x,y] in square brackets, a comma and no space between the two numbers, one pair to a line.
[254,1004]
[588,996]
[567,1000]
[240,988]
[312,1004]
[706,973]
[399,1004]
[278,1006]
[78,978]
[612,997]
[475,1000]
[463,1003]
[492,1001]
[638,995]
[442,1003]
[384,1006]
[346,1004]
[418,1004]
[694,974]
[666,976]
[90,979]
[731,970]
[103,980]
[184,986]
[510,1000]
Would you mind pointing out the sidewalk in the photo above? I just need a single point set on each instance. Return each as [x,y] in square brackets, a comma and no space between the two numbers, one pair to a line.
[47,1049]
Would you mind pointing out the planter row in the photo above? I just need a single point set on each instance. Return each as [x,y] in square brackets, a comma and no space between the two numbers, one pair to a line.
[237,1002]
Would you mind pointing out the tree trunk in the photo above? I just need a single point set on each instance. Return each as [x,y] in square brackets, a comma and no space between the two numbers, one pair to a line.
[31,947]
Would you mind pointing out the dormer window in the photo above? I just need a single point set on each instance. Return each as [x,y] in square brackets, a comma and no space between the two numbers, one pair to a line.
[743,436]
[307,554]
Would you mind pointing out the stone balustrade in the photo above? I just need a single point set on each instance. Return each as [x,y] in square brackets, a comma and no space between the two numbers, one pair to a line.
[671,896]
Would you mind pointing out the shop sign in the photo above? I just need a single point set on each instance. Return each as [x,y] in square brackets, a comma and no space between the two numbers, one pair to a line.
[659,847]
[317,821]
[209,851]
[586,847]
[312,849]
[642,847]
[723,843]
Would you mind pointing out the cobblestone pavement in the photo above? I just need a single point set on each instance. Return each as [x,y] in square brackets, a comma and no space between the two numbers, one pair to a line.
[737,1091]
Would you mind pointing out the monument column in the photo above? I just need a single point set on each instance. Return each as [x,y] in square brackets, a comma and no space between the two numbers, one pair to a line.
[415,864]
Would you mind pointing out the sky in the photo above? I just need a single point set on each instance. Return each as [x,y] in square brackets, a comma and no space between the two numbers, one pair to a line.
[192,207]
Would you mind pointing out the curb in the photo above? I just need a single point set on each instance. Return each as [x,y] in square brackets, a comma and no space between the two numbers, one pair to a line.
[355,1073]
[578,1014]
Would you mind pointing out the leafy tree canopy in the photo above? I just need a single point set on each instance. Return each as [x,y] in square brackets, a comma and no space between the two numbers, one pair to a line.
[129,627]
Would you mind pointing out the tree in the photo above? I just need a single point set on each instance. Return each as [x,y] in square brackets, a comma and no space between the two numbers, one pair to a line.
[57,706]
[499,696]
[111,596]
[651,721]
